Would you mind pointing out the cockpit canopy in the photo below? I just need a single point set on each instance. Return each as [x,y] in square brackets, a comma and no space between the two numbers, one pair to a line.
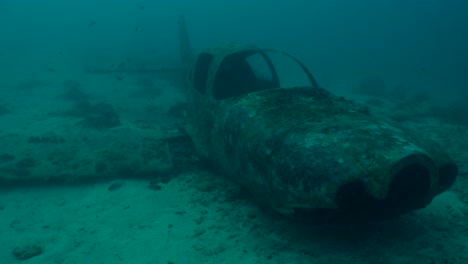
[234,70]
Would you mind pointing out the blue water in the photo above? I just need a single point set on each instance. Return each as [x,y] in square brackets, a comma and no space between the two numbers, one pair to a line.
[421,44]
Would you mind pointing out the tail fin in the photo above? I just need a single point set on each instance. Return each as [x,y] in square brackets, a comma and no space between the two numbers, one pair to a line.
[186,53]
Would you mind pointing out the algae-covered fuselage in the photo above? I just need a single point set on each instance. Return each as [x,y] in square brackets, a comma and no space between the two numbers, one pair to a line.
[302,150]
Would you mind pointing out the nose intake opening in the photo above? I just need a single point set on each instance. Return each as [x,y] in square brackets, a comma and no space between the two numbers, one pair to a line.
[408,191]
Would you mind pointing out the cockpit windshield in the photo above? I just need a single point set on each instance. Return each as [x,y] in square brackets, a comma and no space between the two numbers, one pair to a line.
[251,71]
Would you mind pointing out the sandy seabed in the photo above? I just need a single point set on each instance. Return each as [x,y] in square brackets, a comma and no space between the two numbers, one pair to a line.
[195,216]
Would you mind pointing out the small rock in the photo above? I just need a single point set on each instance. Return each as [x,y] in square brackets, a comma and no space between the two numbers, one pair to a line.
[26,163]
[251,216]
[205,186]
[154,185]
[199,220]
[166,179]
[115,186]
[6,157]
[198,232]
[27,252]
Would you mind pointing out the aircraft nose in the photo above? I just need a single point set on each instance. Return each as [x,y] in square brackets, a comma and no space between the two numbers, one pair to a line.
[414,183]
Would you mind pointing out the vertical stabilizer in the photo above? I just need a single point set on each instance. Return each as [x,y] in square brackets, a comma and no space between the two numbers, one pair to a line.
[186,53]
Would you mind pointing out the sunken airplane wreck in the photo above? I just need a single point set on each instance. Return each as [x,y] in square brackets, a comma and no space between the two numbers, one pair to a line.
[303,151]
